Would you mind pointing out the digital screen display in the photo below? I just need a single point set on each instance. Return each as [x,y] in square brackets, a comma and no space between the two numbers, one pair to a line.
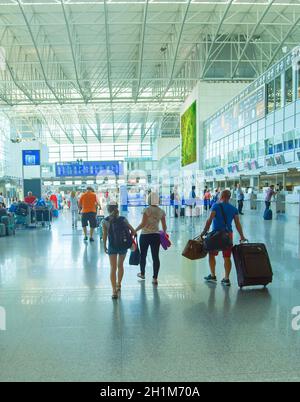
[238,116]
[189,136]
[78,169]
[31,158]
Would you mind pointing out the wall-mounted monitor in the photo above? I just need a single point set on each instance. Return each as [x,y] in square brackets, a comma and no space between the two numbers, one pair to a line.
[31,157]
[80,169]
[189,136]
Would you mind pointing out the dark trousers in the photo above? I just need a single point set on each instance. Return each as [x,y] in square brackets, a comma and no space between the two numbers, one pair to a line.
[240,206]
[268,204]
[152,240]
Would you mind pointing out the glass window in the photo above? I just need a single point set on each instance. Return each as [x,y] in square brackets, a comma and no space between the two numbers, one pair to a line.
[253,150]
[269,147]
[278,92]
[288,89]
[270,96]
[298,80]
[261,148]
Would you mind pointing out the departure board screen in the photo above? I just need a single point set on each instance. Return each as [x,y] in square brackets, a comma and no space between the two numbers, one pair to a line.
[243,113]
[78,169]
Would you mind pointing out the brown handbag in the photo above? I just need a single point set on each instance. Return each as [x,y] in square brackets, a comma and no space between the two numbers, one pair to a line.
[194,249]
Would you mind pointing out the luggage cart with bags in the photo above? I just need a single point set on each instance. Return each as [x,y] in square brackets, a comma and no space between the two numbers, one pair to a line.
[43,216]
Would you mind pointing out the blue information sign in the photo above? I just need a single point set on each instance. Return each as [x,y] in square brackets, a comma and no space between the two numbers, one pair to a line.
[31,157]
[77,169]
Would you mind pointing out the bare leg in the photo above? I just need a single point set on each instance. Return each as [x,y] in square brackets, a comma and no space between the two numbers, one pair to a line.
[92,232]
[121,260]
[212,264]
[85,231]
[113,272]
[227,265]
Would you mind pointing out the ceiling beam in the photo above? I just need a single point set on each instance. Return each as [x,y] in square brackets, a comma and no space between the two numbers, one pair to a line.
[72,51]
[176,50]
[229,4]
[142,44]
[37,52]
[251,36]
[278,48]
[108,65]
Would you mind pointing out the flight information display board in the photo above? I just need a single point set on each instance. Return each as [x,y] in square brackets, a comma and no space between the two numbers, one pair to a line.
[241,114]
[78,169]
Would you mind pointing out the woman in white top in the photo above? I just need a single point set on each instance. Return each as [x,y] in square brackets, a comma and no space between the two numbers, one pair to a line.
[74,208]
[152,216]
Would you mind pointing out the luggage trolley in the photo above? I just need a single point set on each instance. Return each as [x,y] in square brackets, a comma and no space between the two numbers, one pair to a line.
[43,216]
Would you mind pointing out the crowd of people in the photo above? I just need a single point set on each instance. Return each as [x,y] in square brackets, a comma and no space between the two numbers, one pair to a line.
[119,235]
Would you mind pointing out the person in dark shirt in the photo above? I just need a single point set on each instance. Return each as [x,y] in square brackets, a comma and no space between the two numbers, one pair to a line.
[217,220]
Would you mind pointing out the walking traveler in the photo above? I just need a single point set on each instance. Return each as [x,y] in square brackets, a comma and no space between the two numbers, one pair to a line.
[269,194]
[119,233]
[74,209]
[215,197]
[207,197]
[218,211]
[192,199]
[153,215]
[240,198]
[88,204]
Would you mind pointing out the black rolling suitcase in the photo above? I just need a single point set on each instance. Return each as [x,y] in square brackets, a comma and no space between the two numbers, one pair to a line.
[252,264]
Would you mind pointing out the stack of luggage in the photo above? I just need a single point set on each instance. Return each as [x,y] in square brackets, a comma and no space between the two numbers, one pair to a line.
[9,226]
[22,213]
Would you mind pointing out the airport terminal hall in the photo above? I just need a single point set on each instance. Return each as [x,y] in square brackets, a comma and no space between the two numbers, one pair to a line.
[149,193]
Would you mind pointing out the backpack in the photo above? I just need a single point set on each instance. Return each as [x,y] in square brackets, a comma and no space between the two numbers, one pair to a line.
[40,203]
[119,235]
[21,209]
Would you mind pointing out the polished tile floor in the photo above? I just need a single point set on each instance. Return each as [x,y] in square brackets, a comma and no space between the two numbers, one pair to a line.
[63,326]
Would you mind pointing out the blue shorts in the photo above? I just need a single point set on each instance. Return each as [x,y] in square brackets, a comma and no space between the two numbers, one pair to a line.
[115,251]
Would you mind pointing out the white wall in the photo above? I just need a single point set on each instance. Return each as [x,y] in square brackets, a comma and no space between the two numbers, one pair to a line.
[14,167]
[163,146]
[214,95]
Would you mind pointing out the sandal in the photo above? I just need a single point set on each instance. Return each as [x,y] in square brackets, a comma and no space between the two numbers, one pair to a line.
[115,296]
[119,288]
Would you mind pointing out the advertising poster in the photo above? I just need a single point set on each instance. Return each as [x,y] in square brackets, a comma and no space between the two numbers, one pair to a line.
[189,136]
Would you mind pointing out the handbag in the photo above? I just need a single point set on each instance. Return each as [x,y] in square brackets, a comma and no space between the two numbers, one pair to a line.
[218,240]
[194,249]
[135,255]
[164,240]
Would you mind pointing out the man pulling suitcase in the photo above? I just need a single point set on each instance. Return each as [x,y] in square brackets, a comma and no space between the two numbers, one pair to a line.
[222,215]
